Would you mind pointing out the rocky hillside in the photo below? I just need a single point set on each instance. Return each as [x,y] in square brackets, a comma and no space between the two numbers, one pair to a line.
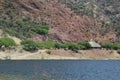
[49,19]
[106,11]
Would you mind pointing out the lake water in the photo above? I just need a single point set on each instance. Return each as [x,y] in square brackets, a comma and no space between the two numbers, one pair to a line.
[60,70]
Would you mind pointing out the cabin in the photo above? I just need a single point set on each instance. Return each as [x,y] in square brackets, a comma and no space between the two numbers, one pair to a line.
[94,44]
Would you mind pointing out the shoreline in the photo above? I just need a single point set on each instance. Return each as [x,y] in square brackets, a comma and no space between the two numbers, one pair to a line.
[60,55]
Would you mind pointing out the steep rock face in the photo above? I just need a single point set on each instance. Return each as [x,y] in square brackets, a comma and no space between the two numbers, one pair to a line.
[65,24]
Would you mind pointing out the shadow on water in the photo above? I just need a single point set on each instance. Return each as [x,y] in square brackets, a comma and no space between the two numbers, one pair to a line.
[59,70]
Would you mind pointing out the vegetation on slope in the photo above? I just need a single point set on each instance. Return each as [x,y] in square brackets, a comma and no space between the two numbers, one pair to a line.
[106,11]
[23,28]
[114,46]
[50,44]
[80,6]
[44,19]
[7,42]
[30,45]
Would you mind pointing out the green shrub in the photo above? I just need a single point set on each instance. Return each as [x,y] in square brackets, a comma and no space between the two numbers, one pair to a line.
[68,45]
[52,44]
[42,29]
[71,46]
[7,42]
[116,46]
[58,45]
[106,45]
[49,44]
[111,45]
[12,32]
[30,45]
[82,8]
[5,22]
[85,45]
[21,23]
[40,45]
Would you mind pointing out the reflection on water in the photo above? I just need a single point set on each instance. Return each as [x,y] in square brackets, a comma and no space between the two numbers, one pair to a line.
[59,70]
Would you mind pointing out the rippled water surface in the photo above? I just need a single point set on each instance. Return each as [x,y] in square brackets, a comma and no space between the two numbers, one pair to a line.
[60,70]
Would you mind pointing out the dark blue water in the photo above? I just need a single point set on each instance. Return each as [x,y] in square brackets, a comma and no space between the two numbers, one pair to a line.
[60,70]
